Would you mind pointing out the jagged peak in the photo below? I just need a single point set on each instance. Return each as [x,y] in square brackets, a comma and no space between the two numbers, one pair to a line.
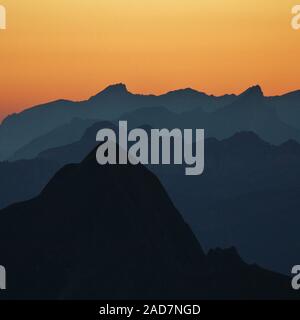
[114,89]
[253,91]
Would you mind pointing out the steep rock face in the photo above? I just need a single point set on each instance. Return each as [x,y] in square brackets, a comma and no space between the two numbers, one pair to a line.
[112,232]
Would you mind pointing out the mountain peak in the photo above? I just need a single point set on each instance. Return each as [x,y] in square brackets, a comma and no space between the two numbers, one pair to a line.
[118,89]
[185,91]
[253,91]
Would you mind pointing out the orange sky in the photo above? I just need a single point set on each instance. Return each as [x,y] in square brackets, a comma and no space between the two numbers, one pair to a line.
[73,48]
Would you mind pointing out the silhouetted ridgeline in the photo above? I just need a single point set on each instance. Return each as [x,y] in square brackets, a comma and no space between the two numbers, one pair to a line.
[273,118]
[249,192]
[24,179]
[110,232]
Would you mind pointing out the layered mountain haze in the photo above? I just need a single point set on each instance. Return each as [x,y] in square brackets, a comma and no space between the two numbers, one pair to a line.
[248,196]
[187,108]
[91,231]
[288,108]
[249,191]
[204,99]
[65,134]
[20,129]
[111,232]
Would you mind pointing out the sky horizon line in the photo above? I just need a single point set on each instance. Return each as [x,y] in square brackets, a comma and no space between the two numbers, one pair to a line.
[105,87]
[68,49]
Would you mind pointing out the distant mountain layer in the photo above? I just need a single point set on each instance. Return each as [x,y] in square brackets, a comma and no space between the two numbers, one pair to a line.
[24,135]
[111,232]
[249,196]
[60,136]
[24,179]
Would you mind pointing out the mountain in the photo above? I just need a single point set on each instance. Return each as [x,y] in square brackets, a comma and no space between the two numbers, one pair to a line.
[24,135]
[24,179]
[60,136]
[184,100]
[240,167]
[20,129]
[248,196]
[111,232]
[26,127]
[250,111]
[76,152]
[288,108]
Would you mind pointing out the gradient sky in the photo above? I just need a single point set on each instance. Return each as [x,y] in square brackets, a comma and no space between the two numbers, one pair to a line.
[74,48]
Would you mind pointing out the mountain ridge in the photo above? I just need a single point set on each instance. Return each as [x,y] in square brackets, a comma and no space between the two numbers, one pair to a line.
[122,85]
[220,115]
[75,241]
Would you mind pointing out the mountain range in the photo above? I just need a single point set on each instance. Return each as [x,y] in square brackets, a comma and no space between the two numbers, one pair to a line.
[249,192]
[79,230]
[111,232]
[272,118]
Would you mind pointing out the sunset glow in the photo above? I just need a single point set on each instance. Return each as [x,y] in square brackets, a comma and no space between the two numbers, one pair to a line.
[72,49]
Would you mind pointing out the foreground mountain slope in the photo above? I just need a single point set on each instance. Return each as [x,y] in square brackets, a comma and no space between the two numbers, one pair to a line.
[247,183]
[24,179]
[112,232]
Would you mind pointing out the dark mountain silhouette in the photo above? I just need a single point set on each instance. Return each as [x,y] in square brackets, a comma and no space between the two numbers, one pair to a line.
[250,112]
[111,232]
[240,167]
[189,99]
[24,179]
[273,118]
